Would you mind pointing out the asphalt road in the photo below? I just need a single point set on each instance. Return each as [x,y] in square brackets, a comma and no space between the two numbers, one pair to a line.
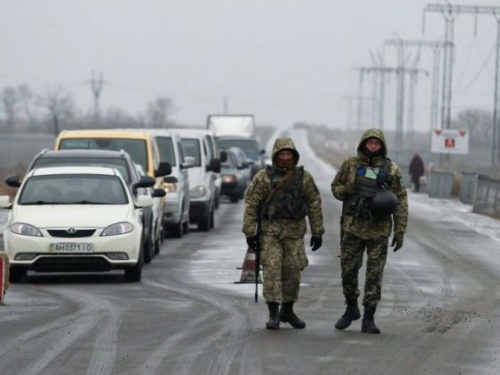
[439,313]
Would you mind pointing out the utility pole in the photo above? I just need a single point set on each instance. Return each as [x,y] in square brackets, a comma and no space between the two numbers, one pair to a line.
[361,98]
[360,95]
[436,47]
[377,89]
[96,87]
[449,11]
[402,72]
[350,100]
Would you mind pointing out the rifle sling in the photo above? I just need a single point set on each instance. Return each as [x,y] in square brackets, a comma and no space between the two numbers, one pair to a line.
[285,178]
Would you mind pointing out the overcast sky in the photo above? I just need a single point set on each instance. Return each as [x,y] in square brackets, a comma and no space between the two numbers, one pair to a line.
[282,60]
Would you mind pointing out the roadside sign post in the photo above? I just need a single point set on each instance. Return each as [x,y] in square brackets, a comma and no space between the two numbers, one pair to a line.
[450,142]
[4,276]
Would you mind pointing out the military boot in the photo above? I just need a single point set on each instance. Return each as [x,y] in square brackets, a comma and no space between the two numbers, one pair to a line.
[351,313]
[288,316]
[274,316]
[368,325]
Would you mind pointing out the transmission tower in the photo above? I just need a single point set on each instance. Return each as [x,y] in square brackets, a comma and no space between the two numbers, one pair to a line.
[360,97]
[436,47]
[350,100]
[449,11]
[384,71]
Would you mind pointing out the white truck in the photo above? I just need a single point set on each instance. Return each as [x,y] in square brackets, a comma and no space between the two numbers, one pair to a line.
[232,125]
[238,131]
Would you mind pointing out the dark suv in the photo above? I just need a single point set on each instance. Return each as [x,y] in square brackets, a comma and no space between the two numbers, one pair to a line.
[249,145]
[121,160]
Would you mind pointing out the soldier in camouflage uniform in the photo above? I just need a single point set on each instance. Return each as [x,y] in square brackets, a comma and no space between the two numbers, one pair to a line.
[284,194]
[374,198]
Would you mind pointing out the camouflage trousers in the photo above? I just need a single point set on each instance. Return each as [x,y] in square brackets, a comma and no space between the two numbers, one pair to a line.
[351,260]
[283,260]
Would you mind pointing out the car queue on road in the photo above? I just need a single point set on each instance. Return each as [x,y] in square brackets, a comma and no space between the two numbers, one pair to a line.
[163,181]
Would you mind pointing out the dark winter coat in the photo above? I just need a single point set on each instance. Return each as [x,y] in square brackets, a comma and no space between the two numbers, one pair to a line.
[416,168]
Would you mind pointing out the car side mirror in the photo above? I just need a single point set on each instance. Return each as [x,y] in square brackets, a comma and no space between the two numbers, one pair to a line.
[5,201]
[214,165]
[164,169]
[262,152]
[223,156]
[144,201]
[170,179]
[145,182]
[13,181]
[158,193]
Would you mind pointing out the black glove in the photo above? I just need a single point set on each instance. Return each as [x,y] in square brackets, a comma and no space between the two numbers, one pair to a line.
[316,243]
[397,241]
[254,242]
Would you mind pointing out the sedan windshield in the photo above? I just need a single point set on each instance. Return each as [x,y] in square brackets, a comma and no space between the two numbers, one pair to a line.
[249,146]
[73,189]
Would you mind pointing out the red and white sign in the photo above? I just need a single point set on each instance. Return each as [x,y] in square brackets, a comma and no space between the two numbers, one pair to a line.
[450,141]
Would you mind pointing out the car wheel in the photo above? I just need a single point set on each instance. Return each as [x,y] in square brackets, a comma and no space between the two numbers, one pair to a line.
[176,230]
[158,245]
[149,251]
[162,230]
[212,219]
[234,198]
[16,274]
[134,274]
[204,223]
[185,227]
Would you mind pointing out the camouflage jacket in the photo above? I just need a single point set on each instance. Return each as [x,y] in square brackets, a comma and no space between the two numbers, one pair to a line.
[259,190]
[363,227]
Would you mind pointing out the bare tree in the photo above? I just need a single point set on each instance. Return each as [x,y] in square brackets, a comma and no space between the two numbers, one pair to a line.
[27,99]
[60,106]
[10,105]
[158,112]
[479,123]
[118,118]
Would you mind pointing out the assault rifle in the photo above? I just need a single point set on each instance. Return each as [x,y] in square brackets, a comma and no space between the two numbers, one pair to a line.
[258,233]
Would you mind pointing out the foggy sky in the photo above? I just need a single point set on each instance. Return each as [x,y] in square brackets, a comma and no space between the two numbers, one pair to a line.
[284,61]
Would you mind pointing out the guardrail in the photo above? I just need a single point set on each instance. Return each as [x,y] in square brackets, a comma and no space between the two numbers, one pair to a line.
[487,197]
[440,184]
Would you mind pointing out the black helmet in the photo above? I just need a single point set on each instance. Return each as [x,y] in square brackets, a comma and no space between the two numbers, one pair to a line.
[383,203]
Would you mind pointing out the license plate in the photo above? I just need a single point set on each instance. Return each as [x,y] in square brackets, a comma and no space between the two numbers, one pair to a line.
[71,248]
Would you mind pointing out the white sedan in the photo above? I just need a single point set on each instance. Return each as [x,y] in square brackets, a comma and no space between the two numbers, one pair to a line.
[74,219]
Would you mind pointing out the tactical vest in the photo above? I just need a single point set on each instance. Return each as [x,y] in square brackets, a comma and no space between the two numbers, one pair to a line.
[288,202]
[365,187]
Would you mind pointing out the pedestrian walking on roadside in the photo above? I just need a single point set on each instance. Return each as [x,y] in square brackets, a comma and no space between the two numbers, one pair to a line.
[416,170]
[374,200]
[282,195]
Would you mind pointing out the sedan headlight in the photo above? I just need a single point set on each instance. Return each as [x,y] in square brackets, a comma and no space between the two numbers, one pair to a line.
[170,188]
[229,179]
[25,230]
[198,191]
[118,228]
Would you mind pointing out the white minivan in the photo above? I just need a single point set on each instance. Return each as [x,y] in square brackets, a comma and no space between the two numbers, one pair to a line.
[201,177]
[177,200]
